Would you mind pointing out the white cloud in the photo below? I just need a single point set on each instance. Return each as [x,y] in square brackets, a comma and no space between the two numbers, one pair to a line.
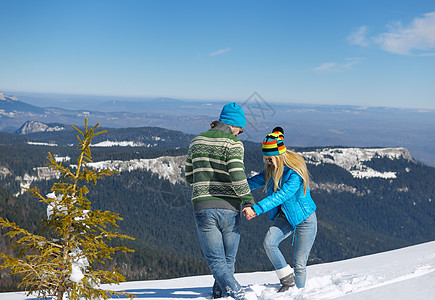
[219,52]
[337,67]
[359,37]
[351,62]
[325,66]
[418,38]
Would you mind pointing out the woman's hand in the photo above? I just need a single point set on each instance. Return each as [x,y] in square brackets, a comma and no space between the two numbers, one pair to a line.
[249,213]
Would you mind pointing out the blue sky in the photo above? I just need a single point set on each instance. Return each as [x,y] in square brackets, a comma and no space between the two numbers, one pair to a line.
[359,52]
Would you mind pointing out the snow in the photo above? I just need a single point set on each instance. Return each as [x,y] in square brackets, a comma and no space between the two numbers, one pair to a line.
[172,167]
[166,167]
[79,262]
[4,172]
[118,144]
[108,143]
[352,159]
[78,265]
[44,173]
[6,114]
[407,273]
[62,158]
[7,97]
[42,144]
[51,206]
[341,187]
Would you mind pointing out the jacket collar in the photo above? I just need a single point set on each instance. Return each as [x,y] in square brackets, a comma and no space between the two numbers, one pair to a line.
[220,126]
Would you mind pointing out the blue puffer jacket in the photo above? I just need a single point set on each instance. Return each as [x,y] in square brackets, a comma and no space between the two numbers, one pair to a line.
[290,196]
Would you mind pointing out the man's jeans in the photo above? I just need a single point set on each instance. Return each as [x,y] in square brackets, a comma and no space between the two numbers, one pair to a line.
[219,236]
[304,236]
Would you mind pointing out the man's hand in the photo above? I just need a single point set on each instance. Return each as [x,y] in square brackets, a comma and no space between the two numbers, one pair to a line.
[249,213]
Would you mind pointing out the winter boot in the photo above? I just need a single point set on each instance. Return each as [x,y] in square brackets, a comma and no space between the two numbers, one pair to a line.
[217,291]
[286,277]
[286,283]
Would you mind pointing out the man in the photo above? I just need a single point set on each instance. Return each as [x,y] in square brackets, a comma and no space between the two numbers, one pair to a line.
[215,169]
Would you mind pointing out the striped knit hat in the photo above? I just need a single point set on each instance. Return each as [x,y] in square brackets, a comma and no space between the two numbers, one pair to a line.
[273,144]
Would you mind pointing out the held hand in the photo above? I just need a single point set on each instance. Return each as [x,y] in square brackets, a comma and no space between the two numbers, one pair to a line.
[249,213]
[246,211]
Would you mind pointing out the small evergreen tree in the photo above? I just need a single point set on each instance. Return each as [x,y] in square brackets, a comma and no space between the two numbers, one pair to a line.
[59,262]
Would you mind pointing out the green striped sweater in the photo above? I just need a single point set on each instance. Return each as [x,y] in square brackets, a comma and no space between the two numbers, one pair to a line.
[215,169]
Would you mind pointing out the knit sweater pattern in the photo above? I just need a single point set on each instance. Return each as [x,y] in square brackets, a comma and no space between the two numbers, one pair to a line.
[215,169]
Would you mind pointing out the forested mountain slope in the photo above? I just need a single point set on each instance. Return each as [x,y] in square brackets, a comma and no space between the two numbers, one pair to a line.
[369,200]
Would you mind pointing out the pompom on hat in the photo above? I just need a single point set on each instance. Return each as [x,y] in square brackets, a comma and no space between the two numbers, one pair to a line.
[273,144]
[232,114]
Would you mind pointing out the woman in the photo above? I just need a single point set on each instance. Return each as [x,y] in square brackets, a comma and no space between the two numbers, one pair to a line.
[291,209]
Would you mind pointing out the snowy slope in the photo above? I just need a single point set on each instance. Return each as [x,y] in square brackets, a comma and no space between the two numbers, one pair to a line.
[407,273]
[353,159]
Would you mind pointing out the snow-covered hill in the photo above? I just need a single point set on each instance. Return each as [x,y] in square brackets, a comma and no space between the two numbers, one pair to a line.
[166,167]
[172,168]
[34,126]
[353,159]
[402,274]
[5,97]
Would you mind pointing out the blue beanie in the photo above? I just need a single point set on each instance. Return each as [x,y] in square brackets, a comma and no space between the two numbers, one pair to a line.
[232,114]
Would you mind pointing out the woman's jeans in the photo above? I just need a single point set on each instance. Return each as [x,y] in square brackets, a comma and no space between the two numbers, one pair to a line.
[219,236]
[304,236]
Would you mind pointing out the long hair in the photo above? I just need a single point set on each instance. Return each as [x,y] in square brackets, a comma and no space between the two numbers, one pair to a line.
[292,160]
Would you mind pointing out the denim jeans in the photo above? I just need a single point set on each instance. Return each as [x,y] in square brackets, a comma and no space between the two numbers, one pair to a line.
[219,236]
[304,236]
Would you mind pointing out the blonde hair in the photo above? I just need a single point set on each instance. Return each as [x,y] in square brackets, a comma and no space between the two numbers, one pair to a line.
[292,160]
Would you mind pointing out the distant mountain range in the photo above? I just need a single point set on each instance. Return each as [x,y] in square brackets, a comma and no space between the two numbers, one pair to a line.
[305,125]
[10,107]
[56,134]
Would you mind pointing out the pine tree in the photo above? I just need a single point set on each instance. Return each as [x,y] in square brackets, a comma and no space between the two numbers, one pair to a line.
[58,262]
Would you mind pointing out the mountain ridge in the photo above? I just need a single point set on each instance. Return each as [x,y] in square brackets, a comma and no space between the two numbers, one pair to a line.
[172,167]
[308,125]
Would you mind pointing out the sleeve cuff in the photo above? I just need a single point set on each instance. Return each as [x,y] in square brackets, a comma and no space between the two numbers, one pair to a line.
[257,209]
